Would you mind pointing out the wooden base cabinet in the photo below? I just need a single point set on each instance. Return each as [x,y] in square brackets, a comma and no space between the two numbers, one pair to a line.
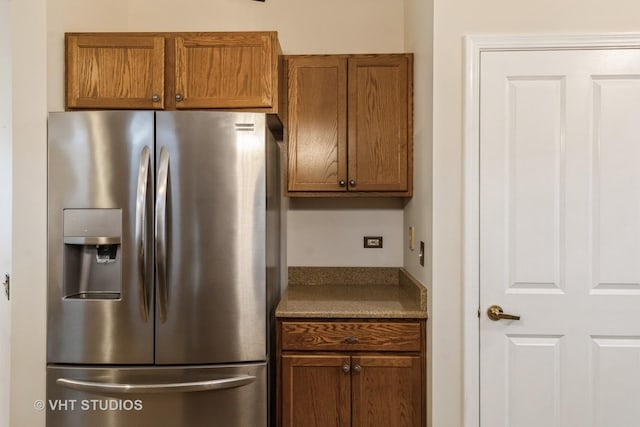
[316,391]
[386,391]
[360,384]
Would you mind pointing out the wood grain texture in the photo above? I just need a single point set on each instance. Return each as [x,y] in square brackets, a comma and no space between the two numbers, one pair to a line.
[317,132]
[378,96]
[384,388]
[114,72]
[351,336]
[316,391]
[378,123]
[234,71]
[386,391]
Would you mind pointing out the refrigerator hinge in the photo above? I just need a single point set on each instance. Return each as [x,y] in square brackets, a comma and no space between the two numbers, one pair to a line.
[6,286]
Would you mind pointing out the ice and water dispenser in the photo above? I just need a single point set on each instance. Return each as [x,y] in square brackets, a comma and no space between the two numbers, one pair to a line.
[92,257]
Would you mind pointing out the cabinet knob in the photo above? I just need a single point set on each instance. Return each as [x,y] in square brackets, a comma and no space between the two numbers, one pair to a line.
[352,183]
[346,368]
[179,97]
[357,368]
[342,183]
[155,98]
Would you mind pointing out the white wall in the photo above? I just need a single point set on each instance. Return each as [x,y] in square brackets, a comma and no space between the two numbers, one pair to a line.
[29,73]
[419,39]
[5,207]
[330,232]
[452,20]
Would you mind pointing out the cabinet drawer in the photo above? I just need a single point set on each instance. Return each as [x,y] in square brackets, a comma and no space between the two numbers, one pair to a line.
[351,336]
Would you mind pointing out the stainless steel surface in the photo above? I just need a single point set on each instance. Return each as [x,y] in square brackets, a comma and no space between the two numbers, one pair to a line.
[92,241]
[161,233]
[239,406]
[215,238]
[99,223]
[141,231]
[93,162]
[184,387]
[182,270]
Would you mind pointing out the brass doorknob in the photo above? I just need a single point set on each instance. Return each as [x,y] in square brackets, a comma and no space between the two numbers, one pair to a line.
[496,313]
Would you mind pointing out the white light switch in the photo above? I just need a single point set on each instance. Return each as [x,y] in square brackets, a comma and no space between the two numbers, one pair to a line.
[412,232]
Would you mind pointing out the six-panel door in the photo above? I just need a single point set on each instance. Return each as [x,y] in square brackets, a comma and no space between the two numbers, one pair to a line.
[560,238]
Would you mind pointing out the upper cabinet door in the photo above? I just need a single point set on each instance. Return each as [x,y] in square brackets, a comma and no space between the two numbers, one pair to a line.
[350,130]
[115,72]
[226,70]
[379,122]
[317,112]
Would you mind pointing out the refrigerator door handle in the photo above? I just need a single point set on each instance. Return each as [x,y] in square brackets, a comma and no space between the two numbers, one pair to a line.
[141,230]
[161,232]
[100,387]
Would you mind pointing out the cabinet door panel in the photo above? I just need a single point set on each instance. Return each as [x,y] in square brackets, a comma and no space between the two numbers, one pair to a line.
[231,70]
[317,123]
[378,122]
[387,391]
[115,72]
[315,391]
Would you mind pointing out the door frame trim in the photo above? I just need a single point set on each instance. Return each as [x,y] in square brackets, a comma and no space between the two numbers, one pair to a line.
[473,47]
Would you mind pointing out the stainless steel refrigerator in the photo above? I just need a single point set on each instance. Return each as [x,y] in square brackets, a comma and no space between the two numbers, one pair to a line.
[163,268]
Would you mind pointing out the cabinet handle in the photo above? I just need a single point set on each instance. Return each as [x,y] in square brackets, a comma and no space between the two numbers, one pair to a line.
[346,368]
[357,368]
[179,97]
[351,340]
[352,183]
[155,98]
[342,183]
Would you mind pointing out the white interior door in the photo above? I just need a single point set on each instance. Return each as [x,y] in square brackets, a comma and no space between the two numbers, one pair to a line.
[560,238]
[5,207]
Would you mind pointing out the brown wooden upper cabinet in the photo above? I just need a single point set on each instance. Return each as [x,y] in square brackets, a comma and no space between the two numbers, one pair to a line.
[235,70]
[350,128]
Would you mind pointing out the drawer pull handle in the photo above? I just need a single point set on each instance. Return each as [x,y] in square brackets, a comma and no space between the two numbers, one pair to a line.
[351,340]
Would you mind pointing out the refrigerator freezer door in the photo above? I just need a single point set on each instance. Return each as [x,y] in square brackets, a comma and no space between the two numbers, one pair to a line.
[100,252]
[220,396]
[210,230]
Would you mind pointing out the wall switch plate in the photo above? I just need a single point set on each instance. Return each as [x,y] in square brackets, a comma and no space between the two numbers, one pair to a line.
[373,242]
[412,237]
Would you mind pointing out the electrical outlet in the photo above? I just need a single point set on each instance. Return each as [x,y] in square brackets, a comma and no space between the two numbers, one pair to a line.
[373,242]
